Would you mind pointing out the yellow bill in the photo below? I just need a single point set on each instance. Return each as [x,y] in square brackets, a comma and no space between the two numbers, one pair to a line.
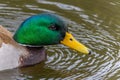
[71,42]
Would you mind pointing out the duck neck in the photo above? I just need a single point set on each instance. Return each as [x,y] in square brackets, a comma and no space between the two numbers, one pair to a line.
[36,55]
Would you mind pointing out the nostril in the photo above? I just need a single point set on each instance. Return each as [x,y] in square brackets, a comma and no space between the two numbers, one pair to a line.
[71,39]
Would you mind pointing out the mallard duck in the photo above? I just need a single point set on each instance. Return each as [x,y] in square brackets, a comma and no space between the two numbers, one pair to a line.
[26,46]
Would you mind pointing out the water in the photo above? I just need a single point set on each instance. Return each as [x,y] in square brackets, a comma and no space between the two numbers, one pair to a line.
[96,23]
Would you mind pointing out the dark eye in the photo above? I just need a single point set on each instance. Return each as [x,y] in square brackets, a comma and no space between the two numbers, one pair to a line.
[53,27]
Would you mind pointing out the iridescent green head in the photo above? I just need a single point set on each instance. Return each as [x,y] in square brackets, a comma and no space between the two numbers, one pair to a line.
[42,29]
[46,29]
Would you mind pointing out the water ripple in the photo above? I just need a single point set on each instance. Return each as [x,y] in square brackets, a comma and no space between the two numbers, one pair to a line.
[61,5]
[38,9]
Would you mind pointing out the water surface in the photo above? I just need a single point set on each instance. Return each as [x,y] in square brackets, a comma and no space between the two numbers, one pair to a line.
[96,23]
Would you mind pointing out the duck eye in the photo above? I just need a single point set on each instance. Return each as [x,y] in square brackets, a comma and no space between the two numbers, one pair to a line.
[53,27]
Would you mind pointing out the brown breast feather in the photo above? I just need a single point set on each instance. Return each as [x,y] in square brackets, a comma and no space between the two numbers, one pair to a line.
[6,37]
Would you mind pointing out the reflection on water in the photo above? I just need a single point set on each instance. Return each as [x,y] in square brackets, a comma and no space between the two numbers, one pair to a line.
[95,25]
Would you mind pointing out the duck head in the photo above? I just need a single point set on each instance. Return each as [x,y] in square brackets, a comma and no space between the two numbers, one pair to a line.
[47,29]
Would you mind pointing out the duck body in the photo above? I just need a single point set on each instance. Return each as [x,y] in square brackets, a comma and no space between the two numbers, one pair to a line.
[13,55]
[25,47]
